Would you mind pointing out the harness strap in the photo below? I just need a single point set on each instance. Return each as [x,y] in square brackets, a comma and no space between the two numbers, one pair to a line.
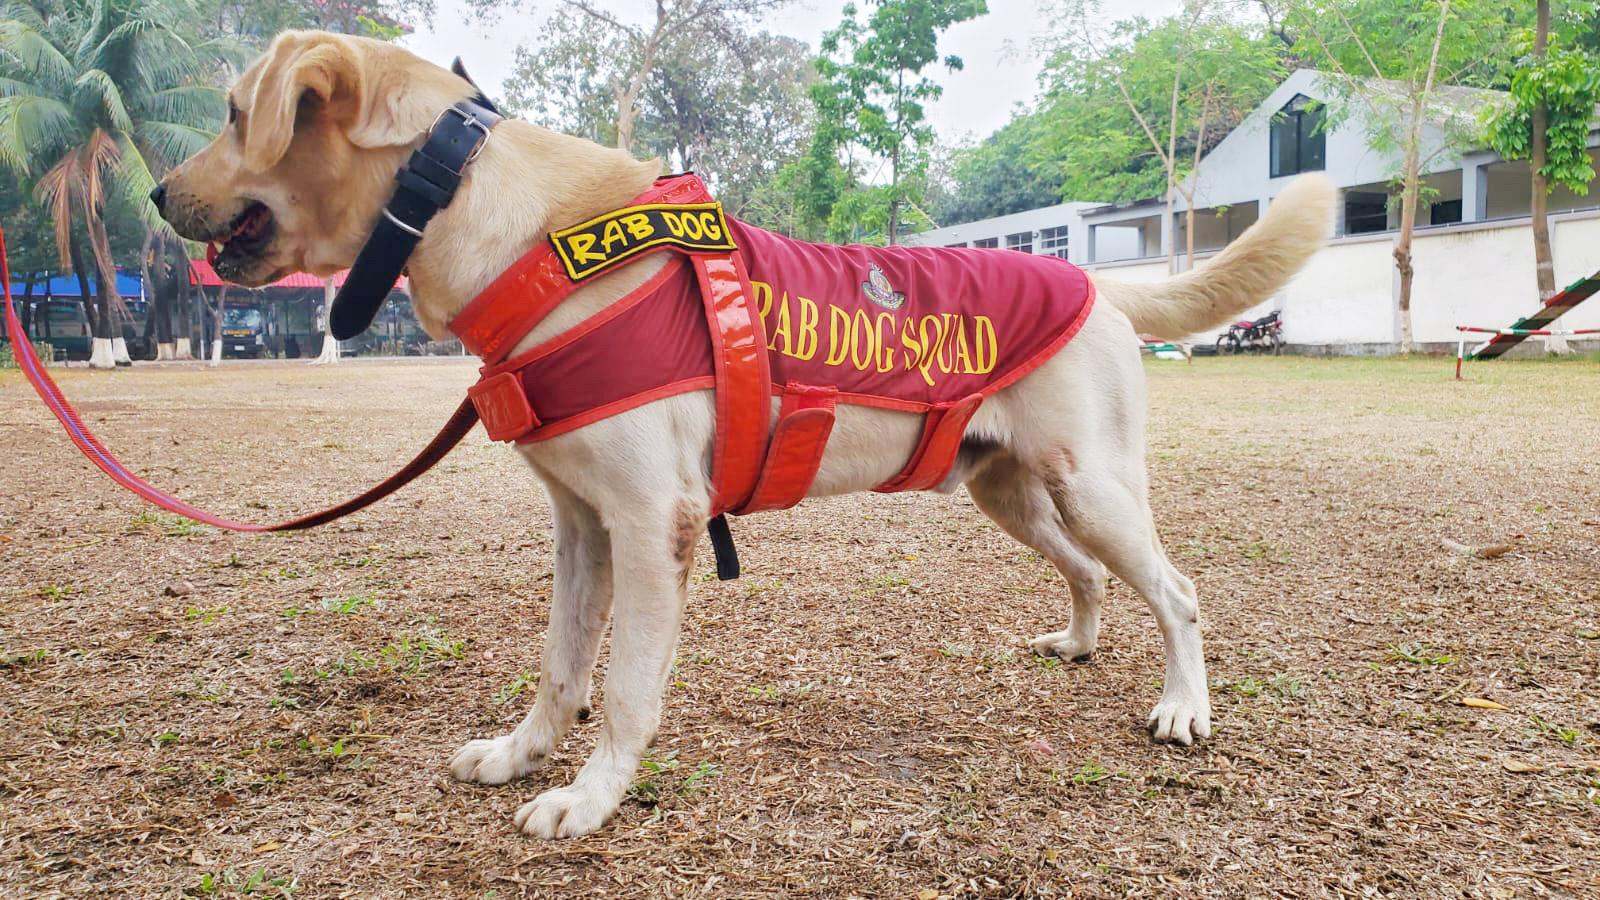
[942,431]
[490,326]
[805,421]
[744,386]
[461,422]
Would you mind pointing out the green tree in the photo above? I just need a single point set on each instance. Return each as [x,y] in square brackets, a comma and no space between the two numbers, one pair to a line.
[870,107]
[1132,110]
[679,28]
[731,107]
[1554,91]
[98,97]
[1399,67]
[998,176]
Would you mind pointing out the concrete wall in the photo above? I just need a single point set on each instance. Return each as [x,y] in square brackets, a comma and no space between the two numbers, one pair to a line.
[1346,298]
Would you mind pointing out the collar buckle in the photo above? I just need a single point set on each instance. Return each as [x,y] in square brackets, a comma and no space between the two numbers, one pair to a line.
[469,120]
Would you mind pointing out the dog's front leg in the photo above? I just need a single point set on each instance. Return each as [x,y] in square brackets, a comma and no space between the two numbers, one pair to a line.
[580,605]
[652,551]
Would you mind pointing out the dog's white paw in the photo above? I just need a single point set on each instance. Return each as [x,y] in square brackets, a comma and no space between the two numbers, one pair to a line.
[1180,721]
[494,761]
[568,812]
[1063,645]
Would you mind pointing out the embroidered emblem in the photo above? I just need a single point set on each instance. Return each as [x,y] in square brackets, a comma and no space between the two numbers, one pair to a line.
[600,243]
[879,291]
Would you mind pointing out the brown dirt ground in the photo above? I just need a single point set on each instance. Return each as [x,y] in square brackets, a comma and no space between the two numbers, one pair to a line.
[858,715]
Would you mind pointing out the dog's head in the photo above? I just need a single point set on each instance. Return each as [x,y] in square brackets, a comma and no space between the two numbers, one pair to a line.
[316,129]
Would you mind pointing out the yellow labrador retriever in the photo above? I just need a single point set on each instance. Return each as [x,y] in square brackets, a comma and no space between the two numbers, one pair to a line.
[316,130]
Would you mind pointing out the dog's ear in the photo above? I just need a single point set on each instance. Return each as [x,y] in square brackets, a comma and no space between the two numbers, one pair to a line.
[300,69]
[371,93]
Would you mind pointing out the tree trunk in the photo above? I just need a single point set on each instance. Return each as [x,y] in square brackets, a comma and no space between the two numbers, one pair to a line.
[1544,262]
[216,334]
[29,316]
[183,304]
[1166,226]
[330,344]
[894,196]
[1188,230]
[99,336]
[1412,187]
[1404,250]
[112,311]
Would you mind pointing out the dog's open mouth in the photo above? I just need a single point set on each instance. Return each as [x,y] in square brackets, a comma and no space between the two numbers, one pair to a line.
[248,236]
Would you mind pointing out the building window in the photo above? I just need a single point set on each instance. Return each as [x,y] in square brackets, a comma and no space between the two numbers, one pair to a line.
[987,243]
[1365,213]
[1445,212]
[1299,143]
[1053,241]
[1022,241]
[953,246]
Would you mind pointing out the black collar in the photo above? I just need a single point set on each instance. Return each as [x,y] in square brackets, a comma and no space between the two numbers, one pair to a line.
[424,186]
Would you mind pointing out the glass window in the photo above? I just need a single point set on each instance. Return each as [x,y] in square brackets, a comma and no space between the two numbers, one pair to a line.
[1445,212]
[1365,213]
[987,243]
[962,244]
[65,319]
[1022,241]
[1299,142]
[1053,241]
[242,317]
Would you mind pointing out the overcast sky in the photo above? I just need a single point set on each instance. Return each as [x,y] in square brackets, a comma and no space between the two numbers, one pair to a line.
[1001,68]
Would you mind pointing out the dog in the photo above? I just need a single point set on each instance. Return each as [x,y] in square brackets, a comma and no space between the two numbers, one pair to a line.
[295,181]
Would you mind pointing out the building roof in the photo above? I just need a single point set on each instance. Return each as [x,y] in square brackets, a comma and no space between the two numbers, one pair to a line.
[203,275]
[66,285]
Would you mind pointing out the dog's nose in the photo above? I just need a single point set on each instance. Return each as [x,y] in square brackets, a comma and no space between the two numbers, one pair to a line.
[159,197]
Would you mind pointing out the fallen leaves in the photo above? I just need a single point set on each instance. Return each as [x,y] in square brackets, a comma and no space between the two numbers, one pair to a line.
[1480,703]
[1521,767]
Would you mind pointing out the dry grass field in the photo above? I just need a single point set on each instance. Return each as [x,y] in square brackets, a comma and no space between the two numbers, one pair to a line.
[858,716]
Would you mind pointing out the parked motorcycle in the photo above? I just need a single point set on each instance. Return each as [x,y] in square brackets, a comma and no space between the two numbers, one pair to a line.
[1262,335]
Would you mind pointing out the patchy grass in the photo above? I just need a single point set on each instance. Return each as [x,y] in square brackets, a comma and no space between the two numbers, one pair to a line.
[859,716]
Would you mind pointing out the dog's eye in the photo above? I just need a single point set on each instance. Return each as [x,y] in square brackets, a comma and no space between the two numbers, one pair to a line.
[233,112]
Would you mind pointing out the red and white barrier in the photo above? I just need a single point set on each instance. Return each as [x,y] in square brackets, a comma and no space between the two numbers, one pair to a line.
[1463,330]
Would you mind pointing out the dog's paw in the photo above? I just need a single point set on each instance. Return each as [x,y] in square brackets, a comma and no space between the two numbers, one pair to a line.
[1063,645]
[568,812]
[1180,721]
[494,761]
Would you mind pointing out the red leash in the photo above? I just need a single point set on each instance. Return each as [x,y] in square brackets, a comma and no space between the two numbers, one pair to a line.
[461,422]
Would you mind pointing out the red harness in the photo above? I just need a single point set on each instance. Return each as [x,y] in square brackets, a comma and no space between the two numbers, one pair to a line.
[905,328]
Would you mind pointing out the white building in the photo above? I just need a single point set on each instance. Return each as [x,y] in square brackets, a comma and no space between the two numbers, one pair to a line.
[1473,249]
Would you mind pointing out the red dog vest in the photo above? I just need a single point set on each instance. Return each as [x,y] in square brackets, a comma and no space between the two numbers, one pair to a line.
[752,314]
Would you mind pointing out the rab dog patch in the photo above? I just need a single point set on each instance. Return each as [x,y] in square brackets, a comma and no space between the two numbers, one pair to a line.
[596,245]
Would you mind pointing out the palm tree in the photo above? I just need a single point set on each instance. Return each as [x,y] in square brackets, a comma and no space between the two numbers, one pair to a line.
[96,98]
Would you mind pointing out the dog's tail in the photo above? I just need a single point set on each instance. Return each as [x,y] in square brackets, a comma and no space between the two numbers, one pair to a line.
[1246,272]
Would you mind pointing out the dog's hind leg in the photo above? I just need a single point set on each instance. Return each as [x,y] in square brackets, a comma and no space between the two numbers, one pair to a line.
[653,550]
[580,605]
[1019,503]
[1105,508]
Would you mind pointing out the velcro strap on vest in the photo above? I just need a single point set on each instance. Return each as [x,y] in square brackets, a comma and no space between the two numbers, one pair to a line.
[503,406]
[805,420]
[942,431]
